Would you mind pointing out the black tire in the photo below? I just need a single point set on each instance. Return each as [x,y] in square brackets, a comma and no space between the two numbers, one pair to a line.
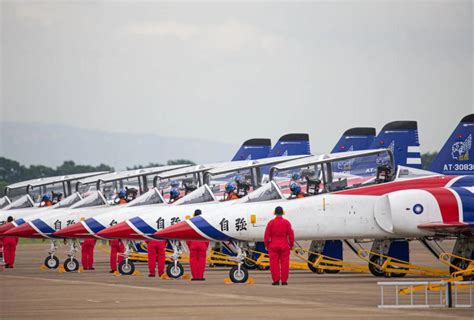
[238,276]
[312,258]
[373,268]
[175,272]
[461,264]
[329,270]
[249,264]
[71,265]
[51,262]
[126,268]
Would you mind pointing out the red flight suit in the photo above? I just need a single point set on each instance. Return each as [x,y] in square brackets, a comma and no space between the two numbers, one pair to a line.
[87,254]
[47,203]
[232,196]
[197,257]
[9,250]
[156,254]
[116,247]
[279,240]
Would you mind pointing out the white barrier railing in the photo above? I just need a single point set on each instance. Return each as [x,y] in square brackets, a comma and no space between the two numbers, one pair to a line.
[427,294]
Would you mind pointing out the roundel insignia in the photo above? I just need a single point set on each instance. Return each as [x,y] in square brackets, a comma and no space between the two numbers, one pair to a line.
[418,208]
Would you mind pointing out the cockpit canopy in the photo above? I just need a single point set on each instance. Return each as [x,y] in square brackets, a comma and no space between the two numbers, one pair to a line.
[94,199]
[152,196]
[200,195]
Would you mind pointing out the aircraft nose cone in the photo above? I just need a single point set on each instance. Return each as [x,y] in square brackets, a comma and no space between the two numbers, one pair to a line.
[119,231]
[180,231]
[76,230]
[7,226]
[24,231]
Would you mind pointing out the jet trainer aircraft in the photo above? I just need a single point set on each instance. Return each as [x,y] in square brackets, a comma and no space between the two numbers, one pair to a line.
[46,225]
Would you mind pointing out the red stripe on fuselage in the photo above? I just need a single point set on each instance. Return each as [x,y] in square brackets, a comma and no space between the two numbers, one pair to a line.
[384,188]
[448,204]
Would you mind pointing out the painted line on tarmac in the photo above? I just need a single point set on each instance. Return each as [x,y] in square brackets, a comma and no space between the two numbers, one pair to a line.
[176,291]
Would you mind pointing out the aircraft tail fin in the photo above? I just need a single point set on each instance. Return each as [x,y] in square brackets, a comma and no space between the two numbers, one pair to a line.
[456,157]
[402,138]
[355,139]
[253,149]
[290,145]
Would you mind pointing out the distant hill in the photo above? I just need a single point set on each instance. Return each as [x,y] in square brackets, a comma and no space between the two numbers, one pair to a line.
[52,144]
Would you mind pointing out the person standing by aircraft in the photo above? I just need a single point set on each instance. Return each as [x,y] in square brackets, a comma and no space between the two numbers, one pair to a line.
[87,254]
[279,239]
[9,248]
[197,255]
[116,253]
[156,254]
[230,189]
[46,201]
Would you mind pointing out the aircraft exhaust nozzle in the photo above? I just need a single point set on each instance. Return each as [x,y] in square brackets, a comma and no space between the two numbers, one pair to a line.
[23,231]
[76,230]
[181,231]
[4,228]
[119,231]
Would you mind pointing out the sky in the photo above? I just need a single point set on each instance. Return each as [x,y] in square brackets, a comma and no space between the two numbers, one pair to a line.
[228,71]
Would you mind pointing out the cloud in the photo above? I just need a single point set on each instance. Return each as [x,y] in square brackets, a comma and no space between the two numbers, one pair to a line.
[231,35]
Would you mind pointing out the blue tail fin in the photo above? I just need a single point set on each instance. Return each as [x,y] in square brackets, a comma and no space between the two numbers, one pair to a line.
[402,138]
[291,145]
[355,139]
[253,149]
[457,156]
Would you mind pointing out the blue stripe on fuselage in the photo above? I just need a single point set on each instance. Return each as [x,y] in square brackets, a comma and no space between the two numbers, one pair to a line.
[466,181]
[209,230]
[94,225]
[142,226]
[467,200]
[43,227]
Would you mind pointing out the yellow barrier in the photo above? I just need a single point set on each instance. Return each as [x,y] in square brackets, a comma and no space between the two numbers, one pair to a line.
[393,265]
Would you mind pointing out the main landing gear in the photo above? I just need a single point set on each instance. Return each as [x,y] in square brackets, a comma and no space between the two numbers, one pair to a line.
[238,273]
[127,267]
[71,264]
[51,261]
[175,269]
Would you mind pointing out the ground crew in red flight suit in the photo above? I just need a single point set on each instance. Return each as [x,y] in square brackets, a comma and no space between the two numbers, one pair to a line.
[156,254]
[197,256]
[116,253]
[279,240]
[9,248]
[87,254]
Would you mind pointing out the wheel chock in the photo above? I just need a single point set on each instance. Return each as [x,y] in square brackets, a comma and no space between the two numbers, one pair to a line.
[250,280]
[136,273]
[185,276]
[61,269]
[43,267]
[164,276]
[116,273]
[80,270]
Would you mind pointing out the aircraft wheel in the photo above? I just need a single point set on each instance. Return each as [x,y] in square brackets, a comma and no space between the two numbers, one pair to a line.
[461,264]
[331,271]
[238,276]
[51,262]
[126,268]
[374,269]
[312,258]
[249,264]
[71,264]
[175,271]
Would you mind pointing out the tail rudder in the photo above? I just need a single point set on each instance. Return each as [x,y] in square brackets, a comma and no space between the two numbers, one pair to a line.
[402,138]
[290,145]
[253,149]
[355,139]
[456,157]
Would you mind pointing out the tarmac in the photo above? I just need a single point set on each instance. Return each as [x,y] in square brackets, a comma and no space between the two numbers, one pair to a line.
[27,292]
